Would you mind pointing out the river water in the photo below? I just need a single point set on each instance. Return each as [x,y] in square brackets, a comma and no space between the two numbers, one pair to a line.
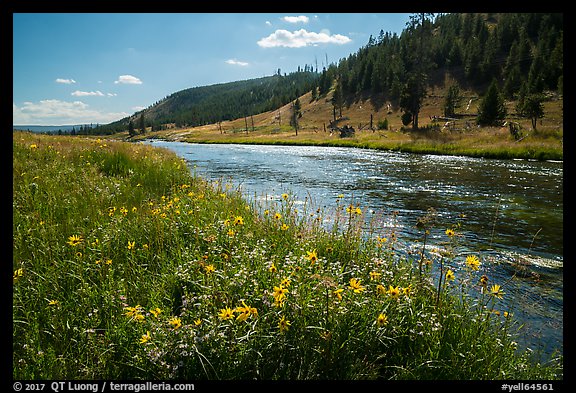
[511,210]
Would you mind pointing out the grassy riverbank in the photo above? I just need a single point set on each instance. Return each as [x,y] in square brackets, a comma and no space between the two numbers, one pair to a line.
[127,266]
[487,143]
[460,137]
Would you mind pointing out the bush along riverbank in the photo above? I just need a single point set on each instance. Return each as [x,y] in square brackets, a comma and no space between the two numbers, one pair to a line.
[126,266]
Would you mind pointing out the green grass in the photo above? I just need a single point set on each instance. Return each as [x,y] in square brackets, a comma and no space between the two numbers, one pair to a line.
[488,142]
[174,277]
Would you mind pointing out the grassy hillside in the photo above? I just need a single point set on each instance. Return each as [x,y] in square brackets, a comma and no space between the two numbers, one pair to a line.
[461,137]
[224,101]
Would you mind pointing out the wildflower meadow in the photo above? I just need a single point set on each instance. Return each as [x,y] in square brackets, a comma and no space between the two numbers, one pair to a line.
[128,266]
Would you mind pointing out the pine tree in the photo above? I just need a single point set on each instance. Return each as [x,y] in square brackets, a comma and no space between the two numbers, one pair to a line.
[452,101]
[491,110]
[419,62]
[296,115]
[142,124]
[131,130]
[532,108]
[338,98]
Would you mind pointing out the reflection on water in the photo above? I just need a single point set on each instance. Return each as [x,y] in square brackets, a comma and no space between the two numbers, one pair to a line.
[512,209]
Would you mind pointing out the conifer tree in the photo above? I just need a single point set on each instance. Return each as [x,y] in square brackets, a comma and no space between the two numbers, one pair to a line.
[142,124]
[131,130]
[452,101]
[491,110]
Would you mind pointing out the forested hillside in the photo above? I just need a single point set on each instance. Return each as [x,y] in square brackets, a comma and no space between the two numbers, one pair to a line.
[521,54]
[515,49]
[226,101]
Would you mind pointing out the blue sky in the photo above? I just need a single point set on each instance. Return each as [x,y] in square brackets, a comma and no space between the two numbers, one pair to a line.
[97,68]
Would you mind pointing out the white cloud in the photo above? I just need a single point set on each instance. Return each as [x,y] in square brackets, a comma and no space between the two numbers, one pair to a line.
[128,80]
[138,108]
[300,38]
[79,93]
[57,112]
[236,62]
[65,81]
[268,23]
[296,19]
[111,94]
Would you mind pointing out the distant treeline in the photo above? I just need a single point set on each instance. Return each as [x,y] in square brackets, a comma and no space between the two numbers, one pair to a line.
[80,129]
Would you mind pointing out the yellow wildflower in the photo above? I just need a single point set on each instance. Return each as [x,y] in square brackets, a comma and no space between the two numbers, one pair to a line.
[242,317]
[156,311]
[472,262]
[74,240]
[279,291]
[406,290]
[382,320]
[393,292]
[226,313]
[175,322]
[245,312]
[311,256]
[353,210]
[356,286]
[284,324]
[131,245]
[279,295]
[145,338]
[239,220]
[18,273]
[375,275]
[134,313]
[381,241]
[496,291]
[338,293]
[450,275]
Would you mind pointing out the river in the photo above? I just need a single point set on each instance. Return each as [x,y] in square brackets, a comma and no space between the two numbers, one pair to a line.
[511,210]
